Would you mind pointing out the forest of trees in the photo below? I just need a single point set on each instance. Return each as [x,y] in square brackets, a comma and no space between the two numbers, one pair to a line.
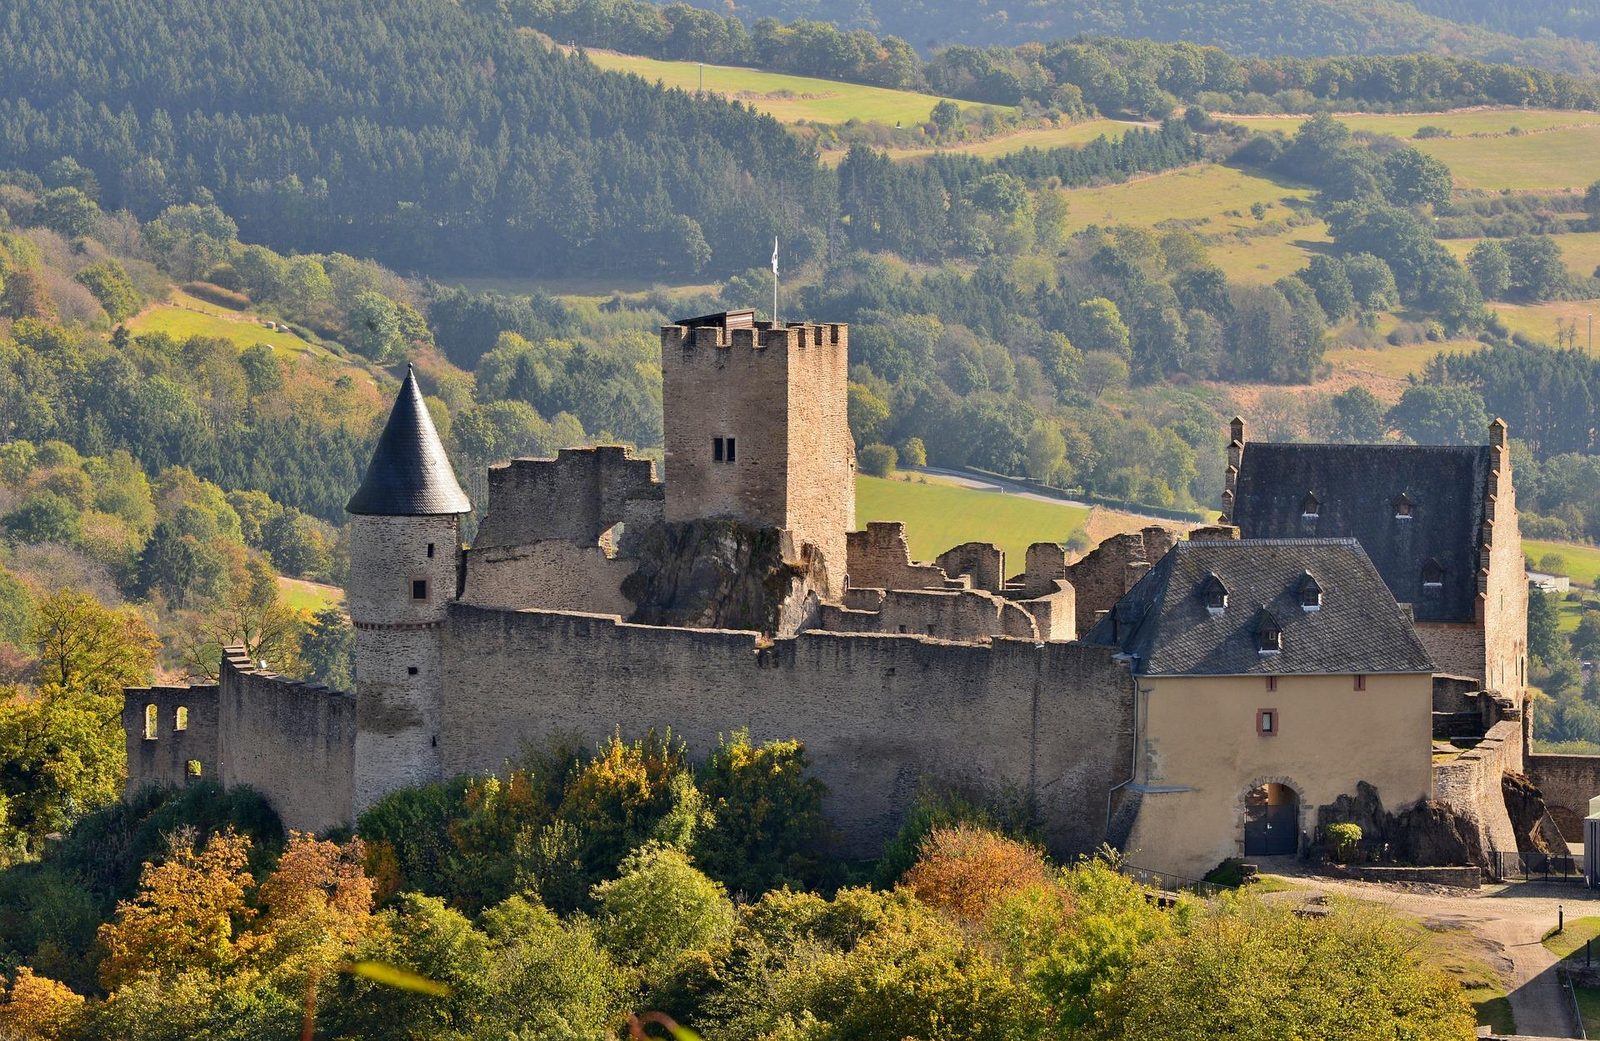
[1301,28]
[585,886]
[1113,76]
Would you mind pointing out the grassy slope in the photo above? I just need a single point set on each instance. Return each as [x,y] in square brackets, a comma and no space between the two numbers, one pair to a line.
[1048,137]
[1580,249]
[308,597]
[787,98]
[182,316]
[1461,122]
[940,516]
[1548,160]
[1582,562]
[1214,202]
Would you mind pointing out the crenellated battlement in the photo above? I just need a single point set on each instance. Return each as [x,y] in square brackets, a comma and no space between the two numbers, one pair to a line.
[760,336]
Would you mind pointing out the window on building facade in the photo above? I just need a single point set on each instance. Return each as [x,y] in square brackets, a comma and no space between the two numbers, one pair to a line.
[1309,506]
[1361,683]
[152,721]
[1272,683]
[716,449]
[180,719]
[724,450]
[419,589]
[430,551]
[192,768]
[1310,593]
[1267,722]
[1215,594]
[1403,507]
[1432,575]
[1269,635]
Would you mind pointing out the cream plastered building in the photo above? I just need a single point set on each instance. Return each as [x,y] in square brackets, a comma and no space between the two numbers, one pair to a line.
[1273,676]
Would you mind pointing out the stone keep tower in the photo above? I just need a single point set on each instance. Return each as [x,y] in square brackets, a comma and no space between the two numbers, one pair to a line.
[405,542]
[756,428]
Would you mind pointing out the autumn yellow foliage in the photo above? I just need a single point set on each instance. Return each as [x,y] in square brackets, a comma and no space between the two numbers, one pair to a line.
[37,1008]
[967,870]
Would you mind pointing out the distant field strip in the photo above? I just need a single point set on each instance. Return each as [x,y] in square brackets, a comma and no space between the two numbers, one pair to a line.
[1459,122]
[941,516]
[1580,249]
[1005,144]
[1582,562]
[787,98]
[182,316]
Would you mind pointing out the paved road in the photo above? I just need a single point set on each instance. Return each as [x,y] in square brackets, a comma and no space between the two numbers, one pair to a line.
[1513,919]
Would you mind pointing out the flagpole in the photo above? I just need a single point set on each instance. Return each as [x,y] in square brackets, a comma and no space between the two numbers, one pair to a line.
[775,281]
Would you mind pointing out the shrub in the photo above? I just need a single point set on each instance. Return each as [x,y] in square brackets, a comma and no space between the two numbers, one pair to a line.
[878,460]
[212,293]
[1342,838]
[660,908]
[966,870]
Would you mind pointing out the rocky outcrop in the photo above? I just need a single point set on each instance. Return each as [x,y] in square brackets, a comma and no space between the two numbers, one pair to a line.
[1428,834]
[720,574]
[1536,829]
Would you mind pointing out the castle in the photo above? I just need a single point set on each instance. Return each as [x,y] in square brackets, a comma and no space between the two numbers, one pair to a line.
[1186,699]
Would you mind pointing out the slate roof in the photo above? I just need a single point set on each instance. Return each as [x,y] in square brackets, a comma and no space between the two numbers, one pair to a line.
[1357,488]
[1357,629]
[409,475]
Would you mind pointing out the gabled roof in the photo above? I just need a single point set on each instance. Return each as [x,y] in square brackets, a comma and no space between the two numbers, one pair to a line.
[409,475]
[1356,488]
[1358,629]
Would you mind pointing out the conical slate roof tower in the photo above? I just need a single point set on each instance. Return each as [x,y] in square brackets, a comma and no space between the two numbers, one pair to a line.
[409,475]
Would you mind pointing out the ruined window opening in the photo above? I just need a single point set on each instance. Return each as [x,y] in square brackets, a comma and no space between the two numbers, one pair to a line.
[411,670]
[430,551]
[1216,595]
[1361,683]
[192,768]
[1267,722]
[1403,507]
[180,719]
[419,589]
[152,722]
[1310,593]
[1432,575]
[1309,507]
[716,450]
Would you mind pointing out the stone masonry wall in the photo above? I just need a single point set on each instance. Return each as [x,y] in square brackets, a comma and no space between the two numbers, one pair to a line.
[576,496]
[1470,784]
[554,575]
[822,453]
[1113,567]
[982,562]
[1567,783]
[293,742]
[163,759]
[1456,648]
[945,614]
[879,558]
[879,715]
[1505,610]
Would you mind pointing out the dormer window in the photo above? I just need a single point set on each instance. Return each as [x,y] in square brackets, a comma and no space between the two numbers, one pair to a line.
[1310,593]
[1309,507]
[1432,576]
[1269,634]
[1215,594]
[1404,508]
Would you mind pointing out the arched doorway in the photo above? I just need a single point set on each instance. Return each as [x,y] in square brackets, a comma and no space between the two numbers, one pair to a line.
[1271,821]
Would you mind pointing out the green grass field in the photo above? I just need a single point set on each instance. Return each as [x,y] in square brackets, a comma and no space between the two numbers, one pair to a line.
[1582,562]
[1548,160]
[1005,144]
[182,316]
[1213,202]
[308,597]
[789,99]
[1459,123]
[1395,362]
[941,516]
[1541,321]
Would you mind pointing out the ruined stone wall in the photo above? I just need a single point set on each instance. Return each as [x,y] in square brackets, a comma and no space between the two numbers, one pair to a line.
[554,575]
[955,614]
[983,563]
[879,558]
[161,755]
[1114,567]
[1055,613]
[1046,566]
[879,714]
[292,742]
[1470,785]
[1567,782]
[577,496]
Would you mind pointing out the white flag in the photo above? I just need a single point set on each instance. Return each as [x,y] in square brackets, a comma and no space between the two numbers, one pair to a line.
[774,255]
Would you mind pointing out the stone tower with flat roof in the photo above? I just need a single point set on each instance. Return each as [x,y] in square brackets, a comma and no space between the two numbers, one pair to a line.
[756,428]
[405,544]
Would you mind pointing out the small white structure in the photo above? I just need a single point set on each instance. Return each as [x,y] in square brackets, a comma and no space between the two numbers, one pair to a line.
[1549,583]
[1591,844]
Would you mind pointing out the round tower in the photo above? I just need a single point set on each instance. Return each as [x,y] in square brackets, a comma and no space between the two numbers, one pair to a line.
[405,544]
